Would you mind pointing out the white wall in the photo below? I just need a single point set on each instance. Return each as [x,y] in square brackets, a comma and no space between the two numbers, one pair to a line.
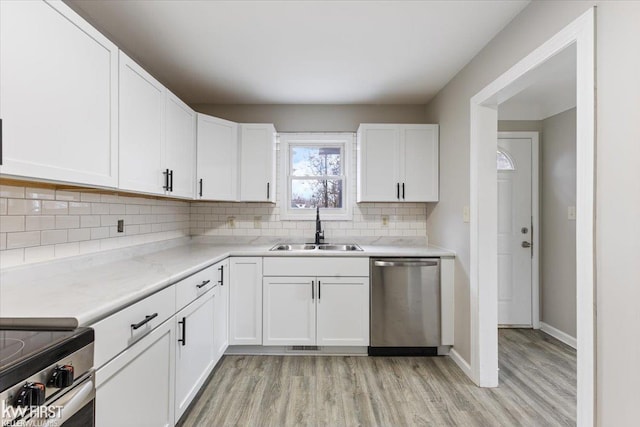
[316,118]
[617,200]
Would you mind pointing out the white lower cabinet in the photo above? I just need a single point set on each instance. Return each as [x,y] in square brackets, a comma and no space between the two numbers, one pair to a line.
[245,301]
[323,311]
[137,387]
[195,351]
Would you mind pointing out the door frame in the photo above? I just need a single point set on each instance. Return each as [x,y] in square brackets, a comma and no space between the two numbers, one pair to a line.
[483,204]
[535,218]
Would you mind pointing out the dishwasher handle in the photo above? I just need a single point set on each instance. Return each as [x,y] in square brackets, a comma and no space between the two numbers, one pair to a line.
[406,263]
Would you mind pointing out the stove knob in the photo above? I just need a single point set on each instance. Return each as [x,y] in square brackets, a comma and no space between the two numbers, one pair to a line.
[31,394]
[62,377]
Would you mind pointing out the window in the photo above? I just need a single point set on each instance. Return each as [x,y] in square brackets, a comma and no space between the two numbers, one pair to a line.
[505,163]
[314,174]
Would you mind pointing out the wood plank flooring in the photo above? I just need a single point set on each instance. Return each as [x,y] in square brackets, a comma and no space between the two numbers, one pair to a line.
[537,388]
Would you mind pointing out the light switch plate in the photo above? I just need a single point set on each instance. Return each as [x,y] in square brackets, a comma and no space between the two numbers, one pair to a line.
[571,213]
[257,222]
[231,221]
[466,214]
[385,220]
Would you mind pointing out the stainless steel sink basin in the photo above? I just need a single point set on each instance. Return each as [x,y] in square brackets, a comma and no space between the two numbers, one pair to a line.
[288,247]
[340,247]
[293,247]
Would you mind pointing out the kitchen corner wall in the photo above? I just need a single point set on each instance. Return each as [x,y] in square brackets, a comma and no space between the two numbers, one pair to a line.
[39,223]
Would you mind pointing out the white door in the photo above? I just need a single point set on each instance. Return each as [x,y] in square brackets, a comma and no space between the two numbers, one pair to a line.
[514,232]
[59,95]
[194,349]
[419,163]
[221,314]
[289,311]
[245,301]
[180,146]
[378,174]
[343,311]
[257,167]
[217,159]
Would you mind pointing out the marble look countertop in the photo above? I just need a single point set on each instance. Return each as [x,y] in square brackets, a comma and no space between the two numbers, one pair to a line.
[83,290]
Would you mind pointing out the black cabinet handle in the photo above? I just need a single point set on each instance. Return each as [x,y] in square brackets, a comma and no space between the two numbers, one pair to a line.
[171,180]
[319,287]
[203,284]
[166,180]
[221,270]
[268,190]
[313,285]
[403,191]
[200,187]
[146,320]
[183,322]
[398,190]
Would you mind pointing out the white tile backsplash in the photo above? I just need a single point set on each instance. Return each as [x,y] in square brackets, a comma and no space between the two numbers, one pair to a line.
[39,224]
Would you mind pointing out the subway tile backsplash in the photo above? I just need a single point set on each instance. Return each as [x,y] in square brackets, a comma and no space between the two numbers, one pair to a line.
[39,224]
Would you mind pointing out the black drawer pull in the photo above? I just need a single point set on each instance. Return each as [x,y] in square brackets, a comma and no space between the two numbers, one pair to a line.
[203,284]
[183,340]
[146,320]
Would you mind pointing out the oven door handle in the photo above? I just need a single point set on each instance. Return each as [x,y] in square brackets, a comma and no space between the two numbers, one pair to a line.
[72,401]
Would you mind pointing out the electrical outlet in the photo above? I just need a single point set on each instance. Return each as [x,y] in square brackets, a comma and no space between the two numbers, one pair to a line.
[231,221]
[571,213]
[257,222]
[466,214]
[121,226]
[385,220]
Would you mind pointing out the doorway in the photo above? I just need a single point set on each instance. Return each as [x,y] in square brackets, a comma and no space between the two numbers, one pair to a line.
[578,35]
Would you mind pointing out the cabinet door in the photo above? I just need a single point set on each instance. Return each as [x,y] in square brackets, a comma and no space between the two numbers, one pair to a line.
[141,129]
[180,146]
[245,301]
[257,163]
[343,311]
[221,313]
[289,311]
[136,388]
[378,162]
[217,159]
[59,86]
[195,350]
[419,162]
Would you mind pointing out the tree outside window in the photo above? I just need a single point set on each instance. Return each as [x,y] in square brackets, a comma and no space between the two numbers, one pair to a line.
[316,176]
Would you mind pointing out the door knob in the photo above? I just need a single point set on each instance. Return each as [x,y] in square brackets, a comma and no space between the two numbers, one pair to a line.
[524,230]
[526,244]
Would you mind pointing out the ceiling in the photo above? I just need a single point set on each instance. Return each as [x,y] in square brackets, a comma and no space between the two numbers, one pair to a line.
[548,90]
[301,52]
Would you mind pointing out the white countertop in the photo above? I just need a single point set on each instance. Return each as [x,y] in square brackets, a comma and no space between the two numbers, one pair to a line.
[80,291]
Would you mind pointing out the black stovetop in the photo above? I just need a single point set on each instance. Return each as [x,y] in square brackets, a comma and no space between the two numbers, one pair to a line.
[24,353]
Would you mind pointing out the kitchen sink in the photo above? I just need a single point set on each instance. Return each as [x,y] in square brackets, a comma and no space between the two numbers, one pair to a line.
[293,247]
[288,247]
[340,247]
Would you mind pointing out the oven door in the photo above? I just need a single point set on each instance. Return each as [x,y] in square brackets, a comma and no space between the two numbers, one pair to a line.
[74,408]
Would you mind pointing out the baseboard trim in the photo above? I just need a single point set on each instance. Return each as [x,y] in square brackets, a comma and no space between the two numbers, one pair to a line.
[462,364]
[559,335]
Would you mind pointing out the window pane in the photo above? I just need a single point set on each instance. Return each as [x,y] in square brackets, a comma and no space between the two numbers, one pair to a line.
[504,162]
[315,161]
[309,193]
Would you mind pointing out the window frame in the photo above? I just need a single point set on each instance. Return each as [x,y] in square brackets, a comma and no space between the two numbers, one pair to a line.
[344,140]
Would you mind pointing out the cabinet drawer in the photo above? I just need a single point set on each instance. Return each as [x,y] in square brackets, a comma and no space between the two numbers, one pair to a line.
[316,266]
[117,332]
[189,289]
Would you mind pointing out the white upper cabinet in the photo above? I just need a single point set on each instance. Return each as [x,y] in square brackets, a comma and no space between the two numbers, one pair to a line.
[59,96]
[141,130]
[217,159]
[398,163]
[180,146]
[257,163]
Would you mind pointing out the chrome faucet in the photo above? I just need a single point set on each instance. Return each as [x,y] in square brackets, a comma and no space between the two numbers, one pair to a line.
[319,231]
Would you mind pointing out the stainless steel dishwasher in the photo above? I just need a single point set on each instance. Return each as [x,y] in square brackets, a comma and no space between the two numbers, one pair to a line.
[405,306]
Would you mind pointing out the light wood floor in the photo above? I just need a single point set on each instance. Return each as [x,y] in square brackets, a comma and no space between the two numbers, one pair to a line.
[537,388]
